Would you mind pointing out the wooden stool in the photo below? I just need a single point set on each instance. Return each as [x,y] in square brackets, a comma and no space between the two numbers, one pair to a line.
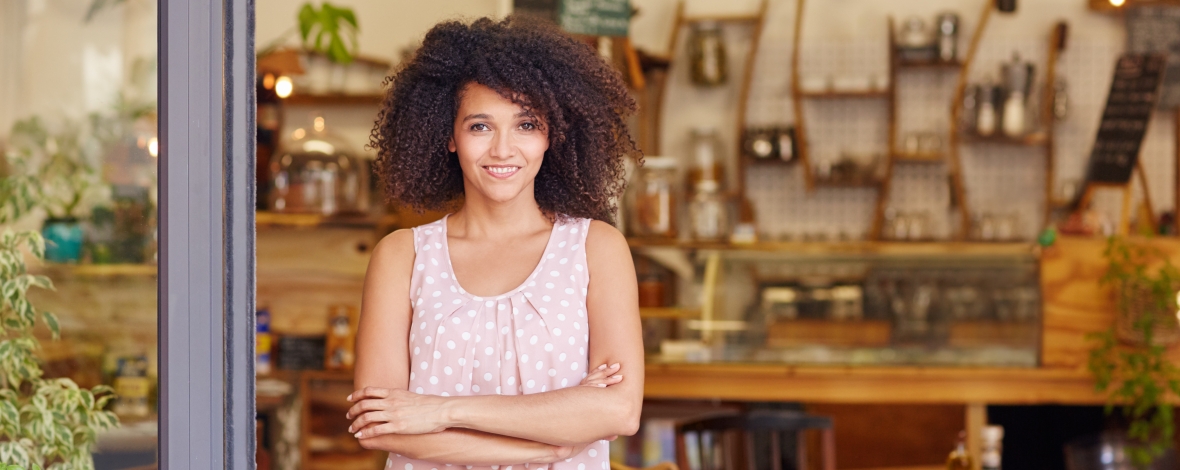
[745,425]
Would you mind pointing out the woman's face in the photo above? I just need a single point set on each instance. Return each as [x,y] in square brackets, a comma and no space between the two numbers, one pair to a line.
[500,145]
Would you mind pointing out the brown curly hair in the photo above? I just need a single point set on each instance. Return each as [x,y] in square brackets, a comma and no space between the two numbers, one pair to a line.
[580,99]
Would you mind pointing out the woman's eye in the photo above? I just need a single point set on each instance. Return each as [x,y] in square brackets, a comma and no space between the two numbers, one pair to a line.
[528,126]
[479,127]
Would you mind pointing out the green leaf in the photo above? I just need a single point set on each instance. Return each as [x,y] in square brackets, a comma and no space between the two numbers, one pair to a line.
[307,19]
[51,322]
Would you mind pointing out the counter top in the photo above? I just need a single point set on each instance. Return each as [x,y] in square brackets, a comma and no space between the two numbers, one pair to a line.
[859,384]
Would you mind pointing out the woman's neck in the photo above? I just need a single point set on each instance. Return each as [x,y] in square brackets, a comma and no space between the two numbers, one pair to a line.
[483,218]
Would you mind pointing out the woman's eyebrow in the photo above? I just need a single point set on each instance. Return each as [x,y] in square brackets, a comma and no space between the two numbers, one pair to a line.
[476,116]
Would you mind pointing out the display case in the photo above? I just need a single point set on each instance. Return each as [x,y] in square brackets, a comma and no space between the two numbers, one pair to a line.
[867,303]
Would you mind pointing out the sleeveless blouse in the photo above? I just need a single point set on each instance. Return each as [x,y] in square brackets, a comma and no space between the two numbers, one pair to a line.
[531,339]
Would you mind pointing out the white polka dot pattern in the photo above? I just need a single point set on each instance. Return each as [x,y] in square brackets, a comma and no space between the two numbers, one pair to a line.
[456,330]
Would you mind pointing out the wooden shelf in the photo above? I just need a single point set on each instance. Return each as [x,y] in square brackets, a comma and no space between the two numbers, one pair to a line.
[902,157]
[334,100]
[854,248]
[947,66]
[723,18]
[668,312]
[296,220]
[871,184]
[849,94]
[1034,139]
[96,270]
[860,384]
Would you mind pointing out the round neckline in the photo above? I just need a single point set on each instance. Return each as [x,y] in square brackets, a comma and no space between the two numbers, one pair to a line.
[446,247]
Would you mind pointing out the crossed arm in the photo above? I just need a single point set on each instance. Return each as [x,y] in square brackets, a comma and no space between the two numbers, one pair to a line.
[493,430]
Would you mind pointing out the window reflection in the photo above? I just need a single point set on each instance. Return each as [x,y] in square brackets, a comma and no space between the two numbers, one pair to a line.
[78,116]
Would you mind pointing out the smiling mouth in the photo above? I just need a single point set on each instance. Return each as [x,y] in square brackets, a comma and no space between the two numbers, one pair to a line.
[501,171]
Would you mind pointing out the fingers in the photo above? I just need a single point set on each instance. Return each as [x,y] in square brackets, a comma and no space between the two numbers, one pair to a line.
[367,419]
[597,374]
[368,392]
[374,431]
[365,405]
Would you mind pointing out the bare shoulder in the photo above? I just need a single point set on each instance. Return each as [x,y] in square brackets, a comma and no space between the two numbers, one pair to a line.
[606,250]
[604,238]
[393,251]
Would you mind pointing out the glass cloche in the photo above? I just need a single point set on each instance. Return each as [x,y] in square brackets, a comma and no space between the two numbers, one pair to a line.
[318,172]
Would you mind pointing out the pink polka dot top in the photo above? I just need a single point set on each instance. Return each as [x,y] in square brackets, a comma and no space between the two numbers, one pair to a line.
[531,339]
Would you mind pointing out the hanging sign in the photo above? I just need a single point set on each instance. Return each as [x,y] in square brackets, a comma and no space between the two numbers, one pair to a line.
[1134,92]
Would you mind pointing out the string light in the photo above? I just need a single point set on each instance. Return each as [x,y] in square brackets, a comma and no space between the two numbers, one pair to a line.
[154,147]
[268,81]
[284,87]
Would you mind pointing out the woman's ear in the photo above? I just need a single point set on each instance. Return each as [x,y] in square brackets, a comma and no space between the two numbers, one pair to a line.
[451,145]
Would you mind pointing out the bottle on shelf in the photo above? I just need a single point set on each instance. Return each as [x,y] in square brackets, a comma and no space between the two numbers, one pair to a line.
[959,459]
[990,455]
[709,213]
[653,199]
[706,157]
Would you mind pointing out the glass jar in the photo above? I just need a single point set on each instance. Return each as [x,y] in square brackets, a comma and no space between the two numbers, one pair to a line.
[707,52]
[709,213]
[706,157]
[318,172]
[654,201]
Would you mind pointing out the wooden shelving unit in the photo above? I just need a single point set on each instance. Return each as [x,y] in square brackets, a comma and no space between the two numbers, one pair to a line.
[851,248]
[867,94]
[95,270]
[263,219]
[334,100]
[756,21]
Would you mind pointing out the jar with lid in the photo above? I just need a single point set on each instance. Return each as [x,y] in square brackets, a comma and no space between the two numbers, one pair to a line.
[706,157]
[706,50]
[654,199]
[709,213]
[318,172]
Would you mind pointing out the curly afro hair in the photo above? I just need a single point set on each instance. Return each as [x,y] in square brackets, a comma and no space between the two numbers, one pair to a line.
[580,99]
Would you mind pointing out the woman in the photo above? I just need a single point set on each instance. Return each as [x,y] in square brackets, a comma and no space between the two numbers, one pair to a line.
[477,329]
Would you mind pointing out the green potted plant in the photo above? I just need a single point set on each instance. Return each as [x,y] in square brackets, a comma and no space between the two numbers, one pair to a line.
[329,39]
[65,163]
[1129,361]
[48,423]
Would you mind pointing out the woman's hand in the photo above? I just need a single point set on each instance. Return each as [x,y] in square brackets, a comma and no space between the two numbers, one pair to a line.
[601,377]
[604,375]
[377,411]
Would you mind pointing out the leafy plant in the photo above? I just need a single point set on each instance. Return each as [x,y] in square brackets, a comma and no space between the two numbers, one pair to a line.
[322,30]
[62,161]
[327,25]
[44,423]
[1137,375]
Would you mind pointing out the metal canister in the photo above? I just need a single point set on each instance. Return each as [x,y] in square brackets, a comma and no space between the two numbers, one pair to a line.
[948,36]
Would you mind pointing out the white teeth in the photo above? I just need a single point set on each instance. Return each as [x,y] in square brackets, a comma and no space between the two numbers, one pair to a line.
[501,170]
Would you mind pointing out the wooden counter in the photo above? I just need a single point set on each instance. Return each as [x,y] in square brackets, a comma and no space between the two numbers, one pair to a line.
[1074,305]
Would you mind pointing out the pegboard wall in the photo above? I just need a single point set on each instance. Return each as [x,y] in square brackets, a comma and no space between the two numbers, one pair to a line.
[999,179]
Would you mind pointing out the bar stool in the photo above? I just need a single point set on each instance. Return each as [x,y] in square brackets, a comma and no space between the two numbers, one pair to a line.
[742,428]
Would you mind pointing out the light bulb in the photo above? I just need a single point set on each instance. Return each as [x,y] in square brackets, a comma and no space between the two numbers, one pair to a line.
[284,87]
[1117,3]
[154,147]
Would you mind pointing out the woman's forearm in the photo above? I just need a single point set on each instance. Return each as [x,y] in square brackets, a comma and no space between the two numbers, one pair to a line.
[563,417]
[467,447]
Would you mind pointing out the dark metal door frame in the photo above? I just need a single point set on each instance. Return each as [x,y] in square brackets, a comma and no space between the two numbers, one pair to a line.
[206,231]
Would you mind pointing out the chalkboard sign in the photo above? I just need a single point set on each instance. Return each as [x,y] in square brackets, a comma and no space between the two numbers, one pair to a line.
[1133,95]
[595,17]
[589,17]
[1156,30]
